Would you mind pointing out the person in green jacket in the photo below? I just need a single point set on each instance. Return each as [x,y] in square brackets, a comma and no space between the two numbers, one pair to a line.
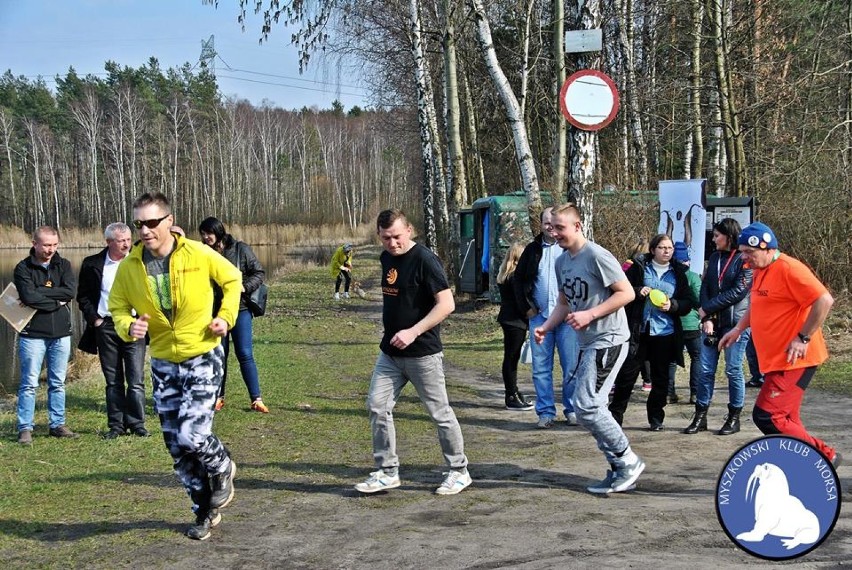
[165,289]
[691,333]
[341,269]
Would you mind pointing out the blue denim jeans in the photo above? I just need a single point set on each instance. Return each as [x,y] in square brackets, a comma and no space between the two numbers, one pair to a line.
[733,370]
[562,339]
[32,352]
[242,336]
[751,358]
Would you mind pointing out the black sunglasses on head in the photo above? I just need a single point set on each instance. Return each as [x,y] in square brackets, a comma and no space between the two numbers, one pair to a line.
[150,224]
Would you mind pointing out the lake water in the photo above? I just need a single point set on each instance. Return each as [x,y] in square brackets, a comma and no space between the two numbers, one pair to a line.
[271,257]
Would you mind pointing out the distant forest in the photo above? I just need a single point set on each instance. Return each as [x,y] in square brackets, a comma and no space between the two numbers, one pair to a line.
[79,156]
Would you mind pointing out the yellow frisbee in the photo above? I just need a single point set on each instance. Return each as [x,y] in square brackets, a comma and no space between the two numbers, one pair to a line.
[657,297]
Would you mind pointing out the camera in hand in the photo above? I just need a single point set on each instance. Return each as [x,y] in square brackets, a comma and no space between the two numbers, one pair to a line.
[711,340]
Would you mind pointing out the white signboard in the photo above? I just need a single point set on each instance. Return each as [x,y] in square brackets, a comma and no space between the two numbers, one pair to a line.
[579,41]
[684,218]
[11,309]
[741,214]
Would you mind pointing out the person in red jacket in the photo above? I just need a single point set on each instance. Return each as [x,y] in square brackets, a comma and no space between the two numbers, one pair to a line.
[788,307]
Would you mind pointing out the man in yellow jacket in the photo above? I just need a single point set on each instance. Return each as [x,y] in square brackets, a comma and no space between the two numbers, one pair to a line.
[164,289]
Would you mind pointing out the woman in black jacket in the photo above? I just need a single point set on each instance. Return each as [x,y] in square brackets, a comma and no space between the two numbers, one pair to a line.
[514,323]
[241,256]
[724,300]
[656,333]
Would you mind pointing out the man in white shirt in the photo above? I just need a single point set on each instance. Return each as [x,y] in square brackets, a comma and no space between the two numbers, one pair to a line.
[121,362]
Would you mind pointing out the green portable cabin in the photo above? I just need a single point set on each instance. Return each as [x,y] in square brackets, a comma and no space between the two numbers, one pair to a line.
[487,229]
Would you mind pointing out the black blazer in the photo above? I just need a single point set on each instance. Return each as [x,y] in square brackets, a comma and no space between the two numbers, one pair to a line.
[88,297]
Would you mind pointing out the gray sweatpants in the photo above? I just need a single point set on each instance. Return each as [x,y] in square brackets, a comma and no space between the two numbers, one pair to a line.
[426,373]
[593,380]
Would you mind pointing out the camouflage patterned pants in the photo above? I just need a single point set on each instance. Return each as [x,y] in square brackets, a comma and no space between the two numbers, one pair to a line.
[184,396]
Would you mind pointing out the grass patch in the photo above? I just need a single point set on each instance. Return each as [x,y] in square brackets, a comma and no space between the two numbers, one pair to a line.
[90,502]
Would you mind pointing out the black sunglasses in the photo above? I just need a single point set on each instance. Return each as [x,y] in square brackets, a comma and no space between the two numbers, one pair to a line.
[150,224]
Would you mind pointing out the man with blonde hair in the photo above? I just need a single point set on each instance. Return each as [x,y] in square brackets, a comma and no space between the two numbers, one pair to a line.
[593,291]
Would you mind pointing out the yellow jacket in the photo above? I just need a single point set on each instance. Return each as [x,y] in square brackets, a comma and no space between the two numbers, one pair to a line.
[339,258]
[192,266]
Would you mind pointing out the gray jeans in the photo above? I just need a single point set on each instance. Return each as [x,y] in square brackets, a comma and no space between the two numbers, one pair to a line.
[426,373]
[593,380]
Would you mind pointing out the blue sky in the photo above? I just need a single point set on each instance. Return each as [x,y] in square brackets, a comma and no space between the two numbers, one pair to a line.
[46,37]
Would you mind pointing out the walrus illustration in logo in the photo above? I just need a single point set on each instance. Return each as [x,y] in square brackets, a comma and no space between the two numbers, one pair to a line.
[778,498]
[776,511]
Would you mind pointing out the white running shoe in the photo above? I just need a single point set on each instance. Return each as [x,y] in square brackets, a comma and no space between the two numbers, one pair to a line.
[571,419]
[378,481]
[346,295]
[455,482]
[337,296]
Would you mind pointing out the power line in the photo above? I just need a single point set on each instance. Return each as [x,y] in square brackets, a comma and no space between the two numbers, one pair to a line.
[285,85]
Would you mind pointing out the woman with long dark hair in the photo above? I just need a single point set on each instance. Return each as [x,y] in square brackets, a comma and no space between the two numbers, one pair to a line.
[240,255]
[724,300]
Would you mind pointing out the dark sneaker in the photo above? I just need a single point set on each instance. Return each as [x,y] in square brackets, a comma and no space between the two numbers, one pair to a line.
[222,486]
[113,434]
[25,437]
[63,431]
[656,427]
[201,529]
[754,383]
[837,461]
[140,432]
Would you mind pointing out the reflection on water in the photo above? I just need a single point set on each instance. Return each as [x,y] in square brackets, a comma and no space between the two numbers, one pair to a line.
[271,257]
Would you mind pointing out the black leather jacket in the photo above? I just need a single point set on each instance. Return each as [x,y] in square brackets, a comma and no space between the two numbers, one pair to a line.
[243,258]
[728,302]
[50,290]
[526,273]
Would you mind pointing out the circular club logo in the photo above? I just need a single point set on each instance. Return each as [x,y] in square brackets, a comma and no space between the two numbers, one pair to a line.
[778,498]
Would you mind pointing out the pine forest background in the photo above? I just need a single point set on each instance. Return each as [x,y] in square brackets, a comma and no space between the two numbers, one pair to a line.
[753,95]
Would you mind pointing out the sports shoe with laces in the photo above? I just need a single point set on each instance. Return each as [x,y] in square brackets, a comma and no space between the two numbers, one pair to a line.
[454,482]
[544,422]
[646,386]
[605,486]
[517,403]
[625,477]
[259,406]
[337,296]
[346,295]
[203,523]
[378,481]
[571,419]
[220,403]
[222,486]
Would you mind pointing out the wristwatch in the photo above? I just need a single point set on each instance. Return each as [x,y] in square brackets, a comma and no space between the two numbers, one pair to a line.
[804,338]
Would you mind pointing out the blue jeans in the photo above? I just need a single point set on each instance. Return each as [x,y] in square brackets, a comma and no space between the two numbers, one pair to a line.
[564,340]
[733,370]
[242,335]
[751,358]
[32,353]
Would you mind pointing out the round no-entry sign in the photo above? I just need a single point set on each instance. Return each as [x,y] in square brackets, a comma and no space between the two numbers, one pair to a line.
[589,100]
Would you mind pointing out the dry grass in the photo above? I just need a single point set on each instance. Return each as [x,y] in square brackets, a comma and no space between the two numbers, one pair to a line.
[328,237]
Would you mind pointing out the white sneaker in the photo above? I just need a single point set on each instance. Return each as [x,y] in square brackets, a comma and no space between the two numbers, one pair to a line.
[337,296]
[378,481]
[571,419]
[346,295]
[455,482]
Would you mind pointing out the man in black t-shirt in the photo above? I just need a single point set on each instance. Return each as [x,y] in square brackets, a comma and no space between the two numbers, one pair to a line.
[417,298]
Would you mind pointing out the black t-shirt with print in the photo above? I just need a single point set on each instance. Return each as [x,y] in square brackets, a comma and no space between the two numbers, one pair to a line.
[409,285]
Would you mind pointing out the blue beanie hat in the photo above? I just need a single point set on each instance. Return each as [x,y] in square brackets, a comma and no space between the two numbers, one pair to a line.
[758,235]
[681,252]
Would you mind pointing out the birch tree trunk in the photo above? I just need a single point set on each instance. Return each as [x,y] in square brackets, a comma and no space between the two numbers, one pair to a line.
[514,115]
[456,178]
[560,125]
[425,121]
[586,15]
[7,128]
[474,155]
